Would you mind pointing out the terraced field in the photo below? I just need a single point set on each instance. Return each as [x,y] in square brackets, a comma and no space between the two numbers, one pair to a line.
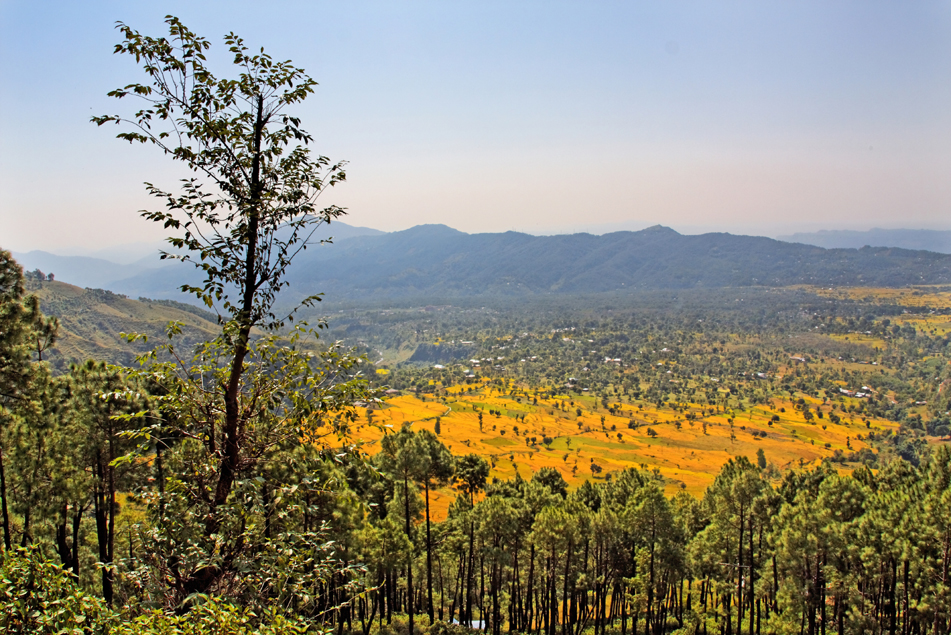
[523,433]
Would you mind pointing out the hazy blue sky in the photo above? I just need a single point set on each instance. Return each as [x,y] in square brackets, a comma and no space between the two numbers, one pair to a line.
[751,117]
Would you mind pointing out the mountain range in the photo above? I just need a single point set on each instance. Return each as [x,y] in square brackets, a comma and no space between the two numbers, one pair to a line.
[437,261]
[918,239]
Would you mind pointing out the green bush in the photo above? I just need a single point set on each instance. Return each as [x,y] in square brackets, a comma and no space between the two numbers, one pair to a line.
[212,617]
[37,596]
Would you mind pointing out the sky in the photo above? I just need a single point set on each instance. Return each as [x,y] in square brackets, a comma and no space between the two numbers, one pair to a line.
[536,116]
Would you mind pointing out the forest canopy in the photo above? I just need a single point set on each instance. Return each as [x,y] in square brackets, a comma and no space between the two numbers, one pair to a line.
[248,478]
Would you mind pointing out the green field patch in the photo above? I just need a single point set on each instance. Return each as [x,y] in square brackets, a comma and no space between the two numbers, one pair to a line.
[499,442]
[587,442]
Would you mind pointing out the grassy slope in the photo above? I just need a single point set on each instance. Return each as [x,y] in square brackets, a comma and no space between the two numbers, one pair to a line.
[91,323]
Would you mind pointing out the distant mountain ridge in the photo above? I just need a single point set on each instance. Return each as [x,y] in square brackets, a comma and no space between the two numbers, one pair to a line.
[438,261]
[441,261]
[82,271]
[101,273]
[916,239]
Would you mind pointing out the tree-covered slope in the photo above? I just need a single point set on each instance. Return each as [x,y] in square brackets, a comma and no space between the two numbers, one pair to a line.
[91,322]
[437,261]
[440,261]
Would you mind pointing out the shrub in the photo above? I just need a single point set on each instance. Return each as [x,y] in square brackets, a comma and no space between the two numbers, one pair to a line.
[38,596]
[213,617]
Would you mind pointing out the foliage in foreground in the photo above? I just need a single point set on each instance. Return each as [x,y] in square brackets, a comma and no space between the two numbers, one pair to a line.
[38,596]
[249,529]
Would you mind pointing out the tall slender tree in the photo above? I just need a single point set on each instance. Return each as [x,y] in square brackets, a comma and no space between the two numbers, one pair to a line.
[24,382]
[435,470]
[471,474]
[250,209]
[405,458]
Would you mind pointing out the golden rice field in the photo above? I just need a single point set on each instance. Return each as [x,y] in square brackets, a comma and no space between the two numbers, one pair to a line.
[687,453]
[923,296]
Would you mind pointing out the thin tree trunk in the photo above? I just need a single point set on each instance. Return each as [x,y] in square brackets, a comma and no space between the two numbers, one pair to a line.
[429,558]
[821,576]
[409,566]
[468,603]
[27,520]
[442,589]
[482,619]
[892,601]
[3,505]
[232,450]
[752,595]
[905,621]
[739,577]
[527,619]
[77,521]
[623,609]
[564,592]
[390,584]
[102,529]
[113,508]
[62,545]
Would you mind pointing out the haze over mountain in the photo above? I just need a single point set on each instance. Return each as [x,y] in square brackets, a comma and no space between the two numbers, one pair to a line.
[926,239]
[435,261]
[131,260]
[82,271]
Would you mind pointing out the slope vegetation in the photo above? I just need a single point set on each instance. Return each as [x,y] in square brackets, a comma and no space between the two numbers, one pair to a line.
[92,322]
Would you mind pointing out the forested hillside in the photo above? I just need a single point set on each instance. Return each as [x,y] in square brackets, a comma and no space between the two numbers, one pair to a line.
[92,321]
[436,263]
[641,432]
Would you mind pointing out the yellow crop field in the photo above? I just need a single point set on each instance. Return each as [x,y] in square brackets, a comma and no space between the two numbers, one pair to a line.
[917,298]
[924,296]
[687,452]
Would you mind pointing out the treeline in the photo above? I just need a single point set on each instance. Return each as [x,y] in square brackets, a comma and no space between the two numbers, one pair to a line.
[215,488]
[819,552]
[110,493]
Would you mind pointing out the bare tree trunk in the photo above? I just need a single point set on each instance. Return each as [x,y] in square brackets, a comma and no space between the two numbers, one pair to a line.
[739,577]
[469,581]
[442,589]
[3,505]
[62,544]
[429,558]
[100,500]
[564,592]
[752,595]
[409,565]
[527,619]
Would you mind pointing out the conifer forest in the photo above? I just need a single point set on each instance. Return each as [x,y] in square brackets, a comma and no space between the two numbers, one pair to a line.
[757,460]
